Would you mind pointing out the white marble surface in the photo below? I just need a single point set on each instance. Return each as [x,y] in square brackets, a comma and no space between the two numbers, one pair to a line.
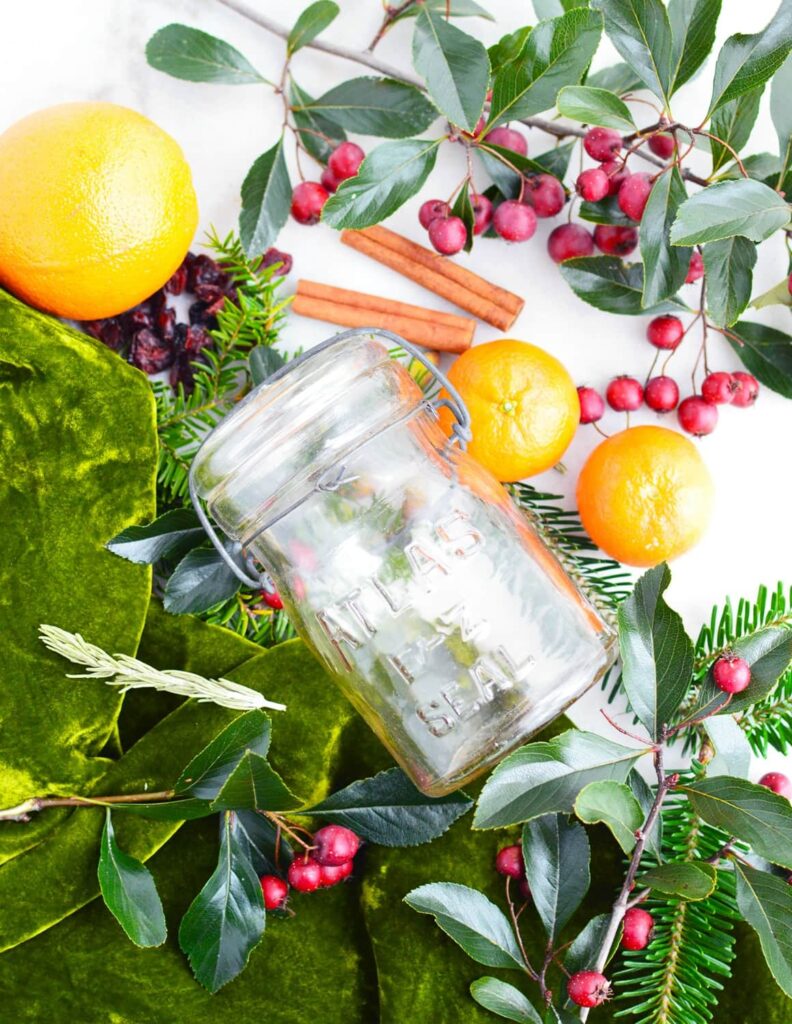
[57,50]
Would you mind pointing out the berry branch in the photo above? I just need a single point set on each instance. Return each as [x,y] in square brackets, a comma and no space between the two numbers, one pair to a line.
[35,804]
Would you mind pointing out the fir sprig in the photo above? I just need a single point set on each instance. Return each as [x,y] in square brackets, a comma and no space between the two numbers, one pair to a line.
[246,615]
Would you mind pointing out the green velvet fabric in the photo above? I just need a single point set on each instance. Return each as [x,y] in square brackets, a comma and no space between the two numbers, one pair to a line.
[77,463]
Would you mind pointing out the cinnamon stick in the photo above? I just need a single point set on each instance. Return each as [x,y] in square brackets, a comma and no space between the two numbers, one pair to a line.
[469,291]
[375,302]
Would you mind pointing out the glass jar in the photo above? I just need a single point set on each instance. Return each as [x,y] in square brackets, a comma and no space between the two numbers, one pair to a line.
[403,564]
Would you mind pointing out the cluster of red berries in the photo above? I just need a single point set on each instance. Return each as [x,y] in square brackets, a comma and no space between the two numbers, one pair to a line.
[330,861]
[309,197]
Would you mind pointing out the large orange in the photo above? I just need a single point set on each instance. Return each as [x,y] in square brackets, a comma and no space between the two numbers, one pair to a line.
[645,495]
[523,407]
[97,209]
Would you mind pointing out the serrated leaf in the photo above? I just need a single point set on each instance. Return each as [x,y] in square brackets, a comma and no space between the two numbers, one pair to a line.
[208,770]
[454,65]
[619,78]
[732,749]
[693,24]
[728,265]
[614,805]
[506,167]
[644,794]
[746,62]
[456,8]
[768,652]
[129,892]
[263,361]
[471,920]
[318,134]
[641,32]
[585,947]
[226,919]
[188,53]
[606,211]
[545,778]
[258,838]
[254,785]
[657,653]
[765,902]
[743,207]
[686,880]
[781,112]
[389,810]
[665,265]
[748,811]
[505,1000]
[508,47]
[557,862]
[167,810]
[266,200]
[732,123]
[612,285]
[375,106]
[595,106]
[778,295]
[313,20]
[200,580]
[556,53]
[463,209]
[766,353]
[388,177]
[170,535]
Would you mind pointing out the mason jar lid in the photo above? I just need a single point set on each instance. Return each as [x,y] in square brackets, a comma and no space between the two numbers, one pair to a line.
[292,431]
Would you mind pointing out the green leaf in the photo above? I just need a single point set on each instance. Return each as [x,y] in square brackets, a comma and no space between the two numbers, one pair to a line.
[686,880]
[657,653]
[665,265]
[258,838]
[595,106]
[170,535]
[263,361]
[196,56]
[728,265]
[614,805]
[374,106]
[454,65]
[768,651]
[226,919]
[732,749]
[619,78]
[778,295]
[761,166]
[504,999]
[545,778]
[606,211]
[463,209]
[206,773]
[641,32]
[318,134]
[766,353]
[765,902]
[313,20]
[732,123]
[644,794]
[556,53]
[612,285]
[389,810]
[506,167]
[266,200]
[165,810]
[746,62]
[557,861]
[201,580]
[780,112]
[744,207]
[750,812]
[129,892]
[254,785]
[471,920]
[508,47]
[388,177]
[583,950]
[693,24]
[456,8]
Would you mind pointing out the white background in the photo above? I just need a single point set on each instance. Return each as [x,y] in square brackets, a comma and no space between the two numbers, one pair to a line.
[59,50]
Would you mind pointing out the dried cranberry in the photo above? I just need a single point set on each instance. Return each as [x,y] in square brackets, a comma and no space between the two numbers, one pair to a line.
[112,334]
[140,317]
[178,281]
[166,324]
[273,256]
[198,313]
[196,339]
[149,353]
[94,327]
[209,293]
[203,270]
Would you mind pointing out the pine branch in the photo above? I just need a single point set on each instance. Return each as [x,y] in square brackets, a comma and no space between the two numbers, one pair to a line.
[245,615]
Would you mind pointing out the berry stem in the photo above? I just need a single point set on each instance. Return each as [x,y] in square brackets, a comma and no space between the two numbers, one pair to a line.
[624,732]
[391,14]
[514,915]
[23,811]
[281,824]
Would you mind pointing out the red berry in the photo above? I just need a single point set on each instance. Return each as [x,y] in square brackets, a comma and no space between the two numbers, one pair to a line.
[789,286]
[273,256]
[718,388]
[697,416]
[332,874]
[274,890]
[482,213]
[507,138]
[665,332]
[731,674]
[545,194]
[335,845]
[509,861]
[593,184]
[514,221]
[308,198]
[304,875]
[624,394]
[638,927]
[746,389]
[617,173]
[661,394]
[328,180]
[448,234]
[777,782]
[592,405]
[662,145]
[696,268]
[588,988]
[615,239]
[431,210]
[345,160]
[272,598]
[568,241]
[602,144]
[633,195]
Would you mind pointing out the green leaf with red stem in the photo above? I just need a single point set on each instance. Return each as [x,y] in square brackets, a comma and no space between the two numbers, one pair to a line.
[506,167]
[505,1000]
[595,106]
[612,285]
[727,208]
[463,209]
[374,106]
[665,265]
[557,861]
[129,892]
[614,805]
[254,785]
[170,535]
[641,32]
[266,200]
[765,902]
[207,772]
[688,881]
[765,352]
[188,53]
[201,580]
[318,134]
[693,24]
[456,9]
[313,20]
[732,124]
[619,78]
[728,265]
